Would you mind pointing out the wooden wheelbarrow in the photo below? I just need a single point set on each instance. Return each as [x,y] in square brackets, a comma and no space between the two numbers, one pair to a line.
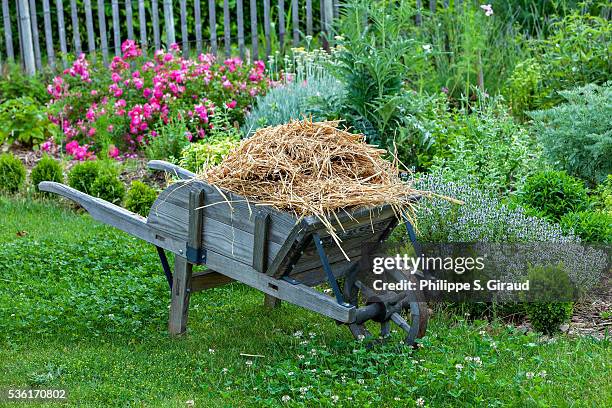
[263,248]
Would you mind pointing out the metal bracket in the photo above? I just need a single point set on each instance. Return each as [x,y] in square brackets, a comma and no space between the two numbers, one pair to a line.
[165,265]
[328,271]
[195,255]
[290,280]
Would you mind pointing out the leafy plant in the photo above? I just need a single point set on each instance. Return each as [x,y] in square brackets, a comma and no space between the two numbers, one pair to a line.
[553,283]
[108,186]
[590,226]
[169,141]
[523,89]
[140,198]
[15,83]
[47,169]
[83,175]
[23,120]
[577,135]
[198,156]
[12,173]
[575,53]
[488,145]
[554,194]
[603,197]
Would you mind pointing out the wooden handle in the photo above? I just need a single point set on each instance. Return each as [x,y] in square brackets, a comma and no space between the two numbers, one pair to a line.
[177,171]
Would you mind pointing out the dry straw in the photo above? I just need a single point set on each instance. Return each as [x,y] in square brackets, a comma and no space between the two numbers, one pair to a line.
[312,168]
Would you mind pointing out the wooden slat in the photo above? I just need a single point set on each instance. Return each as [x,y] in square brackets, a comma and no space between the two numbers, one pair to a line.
[446,3]
[254,39]
[169,23]
[240,22]
[281,23]
[432,6]
[329,17]
[76,35]
[155,22]
[8,32]
[48,33]
[197,11]
[227,38]
[61,27]
[129,19]
[142,18]
[267,27]
[26,32]
[295,16]
[116,27]
[207,280]
[35,34]
[102,27]
[260,234]
[19,35]
[184,31]
[309,17]
[418,17]
[212,21]
[91,38]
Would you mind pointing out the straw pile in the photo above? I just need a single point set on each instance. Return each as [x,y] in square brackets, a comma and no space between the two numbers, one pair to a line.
[311,168]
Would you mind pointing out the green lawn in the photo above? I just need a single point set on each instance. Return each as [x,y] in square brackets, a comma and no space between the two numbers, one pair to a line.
[83,307]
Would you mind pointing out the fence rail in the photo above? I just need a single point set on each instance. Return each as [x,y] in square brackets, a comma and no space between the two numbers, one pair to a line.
[98,27]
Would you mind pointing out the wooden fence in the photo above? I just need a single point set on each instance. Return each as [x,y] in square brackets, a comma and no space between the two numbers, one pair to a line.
[205,25]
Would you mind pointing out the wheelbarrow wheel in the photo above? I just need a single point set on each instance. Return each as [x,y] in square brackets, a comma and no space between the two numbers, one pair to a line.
[411,318]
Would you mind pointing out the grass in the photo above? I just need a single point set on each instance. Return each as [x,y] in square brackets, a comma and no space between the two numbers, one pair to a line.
[83,307]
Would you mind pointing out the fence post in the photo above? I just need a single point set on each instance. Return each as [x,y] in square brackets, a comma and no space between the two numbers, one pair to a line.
[169,22]
[227,38]
[197,11]
[8,33]
[116,27]
[240,17]
[184,31]
[309,17]
[281,23]
[155,16]
[267,27]
[35,36]
[418,18]
[212,22]
[142,18]
[91,39]
[61,27]
[295,17]
[129,19]
[76,36]
[26,32]
[48,33]
[102,25]
[254,39]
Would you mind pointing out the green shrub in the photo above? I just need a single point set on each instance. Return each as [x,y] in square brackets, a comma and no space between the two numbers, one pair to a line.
[294,100]
[83,175]
[523,89]
[12,173]
[577,135]
[488,145]
[550,282]
[603,198]
[590,226]
[140,198]
[15,83]
[575,53]
[23,120]
[197,156]
[108,186]
[169,142]
[554,194]
[47,169]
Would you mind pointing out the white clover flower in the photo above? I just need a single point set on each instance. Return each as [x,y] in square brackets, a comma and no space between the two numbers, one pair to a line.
[328,372]
[300,356]
[303,390]
[298,334]
[335,398]
[427,48]
[529,375]
[211,351]
[360,381]
[285,398]
[542,374]
[459,367]
[249,363]
[190,403]
[225,370]
[420,402]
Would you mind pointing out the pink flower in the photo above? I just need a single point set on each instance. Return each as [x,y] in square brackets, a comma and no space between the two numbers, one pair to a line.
[130,49]
[227,84]
[46,146]
[71,147]
[488,9]
[231,105]
[113,152]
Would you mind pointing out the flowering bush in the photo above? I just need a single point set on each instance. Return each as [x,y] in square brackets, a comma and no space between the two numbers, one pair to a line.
[119,109]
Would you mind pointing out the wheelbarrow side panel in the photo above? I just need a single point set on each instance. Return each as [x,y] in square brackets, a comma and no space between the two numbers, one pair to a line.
[228,225]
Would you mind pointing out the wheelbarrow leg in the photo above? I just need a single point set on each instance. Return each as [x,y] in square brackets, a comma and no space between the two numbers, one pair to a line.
[270,302]
[179,302]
